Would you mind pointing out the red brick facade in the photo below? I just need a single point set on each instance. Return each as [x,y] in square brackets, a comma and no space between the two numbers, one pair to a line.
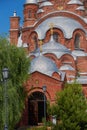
[64,21]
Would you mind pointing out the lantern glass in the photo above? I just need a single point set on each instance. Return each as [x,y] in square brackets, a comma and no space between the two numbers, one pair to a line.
[44,88]
[5,73]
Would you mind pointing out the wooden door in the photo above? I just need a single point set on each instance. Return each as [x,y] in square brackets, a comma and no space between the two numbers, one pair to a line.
[33,112]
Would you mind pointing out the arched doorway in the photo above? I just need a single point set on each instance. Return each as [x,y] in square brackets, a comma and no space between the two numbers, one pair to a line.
[35,108]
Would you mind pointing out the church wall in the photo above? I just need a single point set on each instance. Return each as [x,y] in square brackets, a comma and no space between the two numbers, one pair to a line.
[81,64]
[34,84]
[14,29]
[37,80]
[32,20]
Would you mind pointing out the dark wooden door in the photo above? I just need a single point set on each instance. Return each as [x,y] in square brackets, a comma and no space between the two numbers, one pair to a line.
[40,111]
[33,112]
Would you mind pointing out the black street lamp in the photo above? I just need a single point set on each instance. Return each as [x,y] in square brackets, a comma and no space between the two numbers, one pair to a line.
[44,90]
[5,72]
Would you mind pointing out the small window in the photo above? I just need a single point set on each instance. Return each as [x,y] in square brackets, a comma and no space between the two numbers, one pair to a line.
[55,36]
[35,15]
[35,41]
[29,14]
[77,41]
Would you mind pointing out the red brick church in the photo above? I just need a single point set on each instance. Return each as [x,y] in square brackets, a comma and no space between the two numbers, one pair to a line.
[54,35]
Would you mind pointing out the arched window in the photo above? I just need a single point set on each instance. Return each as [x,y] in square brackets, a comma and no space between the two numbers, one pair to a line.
[77,41]
[35,41]
[55,36]
[29,13]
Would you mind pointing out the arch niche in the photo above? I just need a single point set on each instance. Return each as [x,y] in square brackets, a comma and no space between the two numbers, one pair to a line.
[36,108]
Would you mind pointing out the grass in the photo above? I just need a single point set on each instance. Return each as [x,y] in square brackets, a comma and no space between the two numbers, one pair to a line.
[33,128]
[37,128]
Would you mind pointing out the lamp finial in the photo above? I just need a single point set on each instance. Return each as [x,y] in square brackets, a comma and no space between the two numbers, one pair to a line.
[40,43]
[51,27]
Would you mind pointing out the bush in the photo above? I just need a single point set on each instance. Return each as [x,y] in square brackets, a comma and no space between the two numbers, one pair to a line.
[70,108]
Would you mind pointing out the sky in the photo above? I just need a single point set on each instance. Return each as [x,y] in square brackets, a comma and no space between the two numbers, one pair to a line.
[7,7]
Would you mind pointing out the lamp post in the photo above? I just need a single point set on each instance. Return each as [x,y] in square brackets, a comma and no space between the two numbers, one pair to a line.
[5,72]
[44,90]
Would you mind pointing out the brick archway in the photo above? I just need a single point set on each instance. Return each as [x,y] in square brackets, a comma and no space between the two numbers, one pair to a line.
[35,108]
